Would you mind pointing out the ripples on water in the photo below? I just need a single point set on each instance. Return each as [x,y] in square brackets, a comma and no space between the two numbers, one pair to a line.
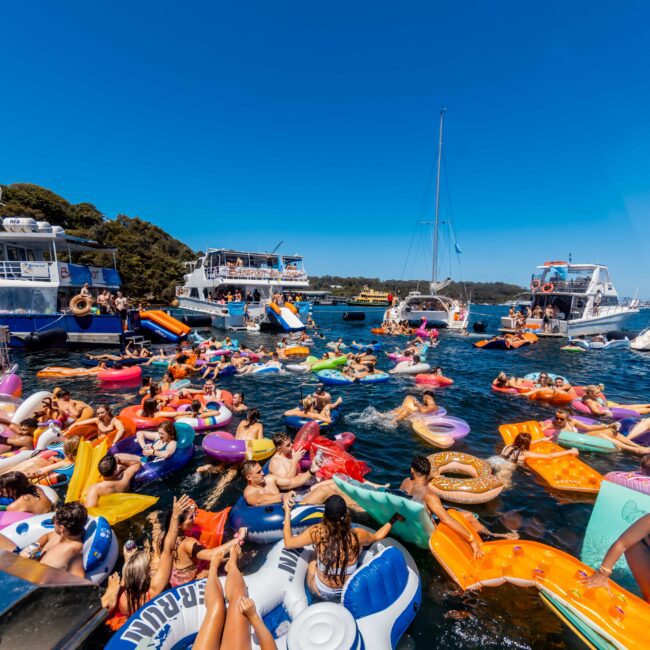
[494,618]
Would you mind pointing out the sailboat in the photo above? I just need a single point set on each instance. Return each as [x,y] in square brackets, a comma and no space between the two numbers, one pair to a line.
[438,310]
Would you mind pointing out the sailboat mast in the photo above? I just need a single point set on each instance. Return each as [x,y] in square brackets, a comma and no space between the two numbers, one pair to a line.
[434,271]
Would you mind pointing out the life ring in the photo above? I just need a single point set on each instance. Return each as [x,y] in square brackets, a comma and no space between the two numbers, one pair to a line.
[481,486]
[534,285]
[81,305]
[548,287]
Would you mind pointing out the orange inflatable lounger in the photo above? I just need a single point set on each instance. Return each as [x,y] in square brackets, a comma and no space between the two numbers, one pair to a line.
[165,320]
[564,473]
[615,614]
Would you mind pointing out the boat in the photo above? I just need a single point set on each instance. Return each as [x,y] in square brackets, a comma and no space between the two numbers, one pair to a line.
[583,297]
[370,298]
[641,341]
[438,309]
[38,279]
[238,289]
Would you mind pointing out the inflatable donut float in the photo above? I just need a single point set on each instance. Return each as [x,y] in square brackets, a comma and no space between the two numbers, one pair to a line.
[480,486]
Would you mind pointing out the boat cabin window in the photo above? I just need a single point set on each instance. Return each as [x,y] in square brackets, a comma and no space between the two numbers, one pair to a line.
[199,263]
[15,254]
[194,293]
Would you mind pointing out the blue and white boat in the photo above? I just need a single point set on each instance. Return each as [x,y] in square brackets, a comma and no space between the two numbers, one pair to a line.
[39,277]
[237,289]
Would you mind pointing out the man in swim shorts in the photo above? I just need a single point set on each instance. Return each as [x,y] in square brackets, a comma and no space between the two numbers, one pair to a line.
[417,486]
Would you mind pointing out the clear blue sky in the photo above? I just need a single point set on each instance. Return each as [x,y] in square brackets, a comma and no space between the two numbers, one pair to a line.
[239,124]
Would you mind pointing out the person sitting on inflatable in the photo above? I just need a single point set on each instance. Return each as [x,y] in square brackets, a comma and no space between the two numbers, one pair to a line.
[564,422]
[107,424]
[411,406]
[165,384]
[309,410]
[140,583]
[25,496]
[641,427]
[262,490]
[196,410]
[117,477]
[70,408]
[62,548]
[323,398]
[597,404]
[503,381]
[230,627]
[60,463]
[635,544]
[209,391]
[180,368]
[24,433]
[188,553]
[164,445]
[285,463]
[273,362]
[417,486]
[366,370]
[214,369]
[337,546]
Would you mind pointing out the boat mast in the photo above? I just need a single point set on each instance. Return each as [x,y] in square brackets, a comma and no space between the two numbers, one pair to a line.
[434,270]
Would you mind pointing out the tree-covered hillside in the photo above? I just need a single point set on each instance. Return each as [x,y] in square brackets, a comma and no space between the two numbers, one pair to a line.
[149,260]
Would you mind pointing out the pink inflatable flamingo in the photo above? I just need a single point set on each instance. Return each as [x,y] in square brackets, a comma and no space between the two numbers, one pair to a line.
[422,330]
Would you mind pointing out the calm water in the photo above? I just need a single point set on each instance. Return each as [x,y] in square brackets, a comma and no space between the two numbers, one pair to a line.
[494,618]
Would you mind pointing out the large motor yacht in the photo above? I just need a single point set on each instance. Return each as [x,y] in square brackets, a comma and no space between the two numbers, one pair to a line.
[244,290]
[583,299]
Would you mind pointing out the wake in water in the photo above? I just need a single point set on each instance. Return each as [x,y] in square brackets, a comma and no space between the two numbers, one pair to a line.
[371,417]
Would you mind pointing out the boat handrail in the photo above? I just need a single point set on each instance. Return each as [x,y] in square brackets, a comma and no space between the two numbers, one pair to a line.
[560,286]
[35,271]
[252,273]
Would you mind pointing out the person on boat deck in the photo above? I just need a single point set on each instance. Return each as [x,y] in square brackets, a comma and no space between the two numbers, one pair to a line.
[634,543]
[337,546]
[117,477]
[411,406]
[309,410]
[417,486]
[537,312]
[102,301]
[85,291]
[262,490]
[230,626]
[61,464]
[107,424]
[23,437]
[62,548]
[26,497]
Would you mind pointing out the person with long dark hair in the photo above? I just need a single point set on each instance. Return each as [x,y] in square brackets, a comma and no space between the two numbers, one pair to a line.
[337,546]
[519,450]
[26,497]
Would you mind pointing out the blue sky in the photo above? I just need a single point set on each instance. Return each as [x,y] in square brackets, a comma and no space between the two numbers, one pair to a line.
[245,123]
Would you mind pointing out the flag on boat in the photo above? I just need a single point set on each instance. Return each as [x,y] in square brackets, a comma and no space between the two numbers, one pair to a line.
[458,248]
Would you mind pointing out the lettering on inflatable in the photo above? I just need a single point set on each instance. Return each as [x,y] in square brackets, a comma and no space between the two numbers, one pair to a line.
[288,561]
[155,620]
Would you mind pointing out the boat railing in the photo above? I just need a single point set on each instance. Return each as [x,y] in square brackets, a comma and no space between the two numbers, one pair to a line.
[36,271]
[253,273]
[539,284]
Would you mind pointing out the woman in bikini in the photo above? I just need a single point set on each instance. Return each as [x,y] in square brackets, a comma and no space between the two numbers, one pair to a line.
[105,422]
[26,497]
[337,546]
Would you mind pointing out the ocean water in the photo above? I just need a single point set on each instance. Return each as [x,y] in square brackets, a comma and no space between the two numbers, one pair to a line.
[500,617]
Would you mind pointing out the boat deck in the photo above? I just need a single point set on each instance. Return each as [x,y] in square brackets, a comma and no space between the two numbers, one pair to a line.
[545,335]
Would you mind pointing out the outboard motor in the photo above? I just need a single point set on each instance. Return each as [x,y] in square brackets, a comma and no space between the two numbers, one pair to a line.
[616,335]
[479,326]
[55,337]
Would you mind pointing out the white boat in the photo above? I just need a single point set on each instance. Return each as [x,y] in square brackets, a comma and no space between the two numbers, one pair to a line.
[438,310]
[40,273]
[241,290]
[583,297]
[641,341]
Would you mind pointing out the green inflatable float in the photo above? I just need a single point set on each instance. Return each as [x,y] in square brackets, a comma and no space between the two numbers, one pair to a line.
[616,509]
[381,505]
[329,364]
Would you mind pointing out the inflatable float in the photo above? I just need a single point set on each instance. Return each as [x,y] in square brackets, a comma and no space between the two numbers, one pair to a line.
[123,374]
[225,448]
[615,614]
[11,384]
[57,372]
[480,486]
[297,421]
[631,480]
[378,603]
[328,364]
[408,368]
[211,422]
[439,431]
[506,342]
[566,473]
[44,437]
[100,549]
[437,381]
[113,507]
[618,412]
